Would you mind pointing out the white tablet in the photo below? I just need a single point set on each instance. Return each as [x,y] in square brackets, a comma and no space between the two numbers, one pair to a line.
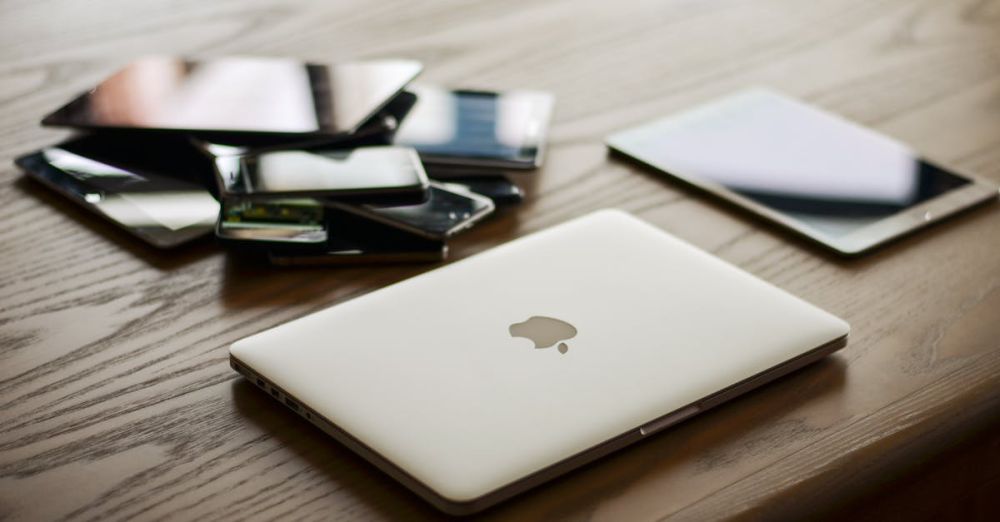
[831,180]
[483,378]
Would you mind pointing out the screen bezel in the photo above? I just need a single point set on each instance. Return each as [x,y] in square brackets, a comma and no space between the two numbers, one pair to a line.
[233,167]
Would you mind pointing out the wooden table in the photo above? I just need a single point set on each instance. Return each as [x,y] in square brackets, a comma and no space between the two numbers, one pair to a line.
[116,398]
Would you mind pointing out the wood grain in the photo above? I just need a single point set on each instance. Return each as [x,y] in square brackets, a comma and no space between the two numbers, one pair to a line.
[116,400]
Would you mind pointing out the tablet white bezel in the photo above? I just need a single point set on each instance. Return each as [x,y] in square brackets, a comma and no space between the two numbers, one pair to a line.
[631,143]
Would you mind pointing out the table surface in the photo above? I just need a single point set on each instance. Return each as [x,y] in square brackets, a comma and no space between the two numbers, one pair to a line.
[116,397]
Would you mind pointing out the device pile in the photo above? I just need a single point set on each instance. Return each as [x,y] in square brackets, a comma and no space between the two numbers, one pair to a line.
[298,163]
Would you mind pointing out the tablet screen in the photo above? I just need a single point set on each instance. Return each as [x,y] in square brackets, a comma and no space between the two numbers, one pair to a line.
[829,174]
[242,95]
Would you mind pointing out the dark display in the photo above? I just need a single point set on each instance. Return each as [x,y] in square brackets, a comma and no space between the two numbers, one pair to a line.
[366,172]
[155,191]
[827,173]
[378,130]
[350,251]
[239,95]
[305,232]
[353,239]
[444,213]
[498,188]
[477,128]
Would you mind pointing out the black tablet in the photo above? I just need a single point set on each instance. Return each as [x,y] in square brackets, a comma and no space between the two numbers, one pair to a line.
[239,96]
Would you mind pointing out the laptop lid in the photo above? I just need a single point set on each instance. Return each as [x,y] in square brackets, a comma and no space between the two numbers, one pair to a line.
[473,381]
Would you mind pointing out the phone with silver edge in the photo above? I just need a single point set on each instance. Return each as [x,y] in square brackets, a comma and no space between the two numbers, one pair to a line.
[445,212]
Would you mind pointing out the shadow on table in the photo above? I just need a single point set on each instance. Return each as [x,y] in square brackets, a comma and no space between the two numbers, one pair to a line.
[573,495]
[708,443]
[252,282]
[344,470]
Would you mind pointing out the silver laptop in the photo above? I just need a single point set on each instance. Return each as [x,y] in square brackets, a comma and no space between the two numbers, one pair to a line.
[481,379]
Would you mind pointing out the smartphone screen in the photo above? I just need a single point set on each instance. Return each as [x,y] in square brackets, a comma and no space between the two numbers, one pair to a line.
[501,190]
[477,128]
[830,175]
[368,172]
[156,191]
[444,213]
[239,95]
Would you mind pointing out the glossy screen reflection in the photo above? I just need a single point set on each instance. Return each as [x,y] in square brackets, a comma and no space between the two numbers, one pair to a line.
[438,215]
[161,202]
[476,124]
[239,95]
[290,172]
[355,239]
[443,213]
[826,172]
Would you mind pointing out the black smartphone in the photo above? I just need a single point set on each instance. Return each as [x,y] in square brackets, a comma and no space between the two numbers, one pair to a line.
[354,240]
[242,96]
[444,213]
[501,190]
[385,174]
[346,252]
[154,189]
[305,232]
[478,128]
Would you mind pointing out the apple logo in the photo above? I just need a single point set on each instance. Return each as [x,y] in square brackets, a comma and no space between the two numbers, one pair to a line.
[544,332]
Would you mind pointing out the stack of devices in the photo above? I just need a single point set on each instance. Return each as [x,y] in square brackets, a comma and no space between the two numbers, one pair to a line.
[298,162]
